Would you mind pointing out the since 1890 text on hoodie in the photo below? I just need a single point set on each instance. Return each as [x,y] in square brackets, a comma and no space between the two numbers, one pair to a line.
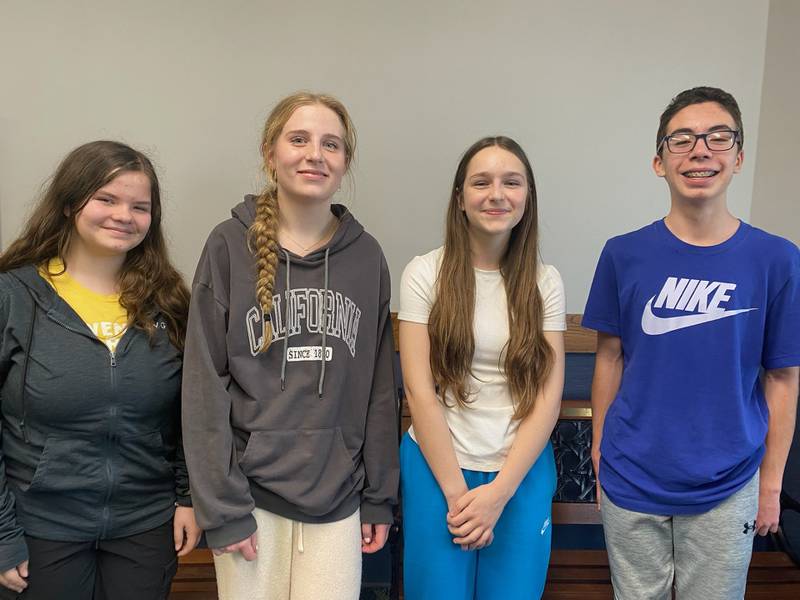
[307,439]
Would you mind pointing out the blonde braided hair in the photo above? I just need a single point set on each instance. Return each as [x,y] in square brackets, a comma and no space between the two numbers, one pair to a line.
[263,233]
[263,238]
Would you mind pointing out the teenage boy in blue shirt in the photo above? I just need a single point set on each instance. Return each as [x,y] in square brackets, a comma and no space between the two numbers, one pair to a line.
[690,441]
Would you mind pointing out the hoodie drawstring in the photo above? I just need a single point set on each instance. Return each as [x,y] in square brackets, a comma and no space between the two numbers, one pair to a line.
[25,370]
[324,326]
[300,547]
[324,323]
[286,321]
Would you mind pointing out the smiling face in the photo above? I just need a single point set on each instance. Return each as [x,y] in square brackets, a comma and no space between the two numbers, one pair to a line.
[699,175]
[494,193]
[116,218]
[308,158]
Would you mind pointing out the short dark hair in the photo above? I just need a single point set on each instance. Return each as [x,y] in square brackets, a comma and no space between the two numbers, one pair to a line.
[699,95]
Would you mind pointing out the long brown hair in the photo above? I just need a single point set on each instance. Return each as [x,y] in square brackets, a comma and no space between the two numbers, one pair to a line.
[148,282]
[263,233]
[527,357]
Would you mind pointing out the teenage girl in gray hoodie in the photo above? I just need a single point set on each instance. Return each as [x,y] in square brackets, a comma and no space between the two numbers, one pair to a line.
[290,414]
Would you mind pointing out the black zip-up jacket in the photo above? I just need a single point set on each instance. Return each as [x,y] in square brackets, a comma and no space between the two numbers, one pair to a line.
[90,440]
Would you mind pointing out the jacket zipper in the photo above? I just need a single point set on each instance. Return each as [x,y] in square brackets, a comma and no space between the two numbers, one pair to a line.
[110,439]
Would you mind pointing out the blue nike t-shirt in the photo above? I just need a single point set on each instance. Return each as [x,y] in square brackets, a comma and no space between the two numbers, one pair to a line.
[687,427]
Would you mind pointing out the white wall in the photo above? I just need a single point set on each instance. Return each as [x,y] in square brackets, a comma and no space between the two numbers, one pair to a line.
[776,199]
[579,84]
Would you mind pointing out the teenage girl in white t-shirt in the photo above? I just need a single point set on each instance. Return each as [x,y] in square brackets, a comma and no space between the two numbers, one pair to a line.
[482,352]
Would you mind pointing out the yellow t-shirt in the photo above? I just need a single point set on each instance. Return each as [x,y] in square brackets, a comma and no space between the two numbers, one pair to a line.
[103,314]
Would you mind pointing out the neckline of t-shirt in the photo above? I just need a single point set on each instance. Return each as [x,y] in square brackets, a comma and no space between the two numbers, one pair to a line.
[486,271]
[738,237]
[69,280]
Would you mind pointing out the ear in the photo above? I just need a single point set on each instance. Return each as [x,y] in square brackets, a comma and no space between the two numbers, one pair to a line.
[737,166]
[658,166]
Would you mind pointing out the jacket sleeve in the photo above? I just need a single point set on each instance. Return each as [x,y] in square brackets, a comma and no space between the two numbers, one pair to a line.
[182,495]
[220,491]
[13,549]
[381,461]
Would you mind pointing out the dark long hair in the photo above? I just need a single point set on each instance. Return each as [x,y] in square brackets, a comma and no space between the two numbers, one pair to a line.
[528,358]
[148,282]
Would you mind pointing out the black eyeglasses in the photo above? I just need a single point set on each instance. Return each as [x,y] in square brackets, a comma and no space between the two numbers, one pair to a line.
[716,141]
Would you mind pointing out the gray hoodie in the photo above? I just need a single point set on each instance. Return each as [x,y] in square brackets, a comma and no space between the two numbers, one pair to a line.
[307,439]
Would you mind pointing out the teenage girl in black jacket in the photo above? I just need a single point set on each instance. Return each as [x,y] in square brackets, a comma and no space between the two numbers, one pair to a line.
[94,497]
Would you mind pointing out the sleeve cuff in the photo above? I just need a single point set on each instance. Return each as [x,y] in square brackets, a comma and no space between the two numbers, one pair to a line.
[601,326]
[12,553]
[376,513]
[232,532]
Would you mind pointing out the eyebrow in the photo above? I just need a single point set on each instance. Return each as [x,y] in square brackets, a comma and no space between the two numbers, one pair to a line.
[506,174]
[709,130]
[113,196]
[304,132]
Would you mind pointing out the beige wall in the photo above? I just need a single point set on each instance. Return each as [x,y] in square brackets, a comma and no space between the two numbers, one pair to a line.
[776,191]
[580,84]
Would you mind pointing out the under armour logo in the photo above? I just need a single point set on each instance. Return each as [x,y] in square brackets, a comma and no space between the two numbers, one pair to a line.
[748,527]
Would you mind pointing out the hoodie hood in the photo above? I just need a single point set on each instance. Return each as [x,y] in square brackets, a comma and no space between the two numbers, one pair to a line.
[39,289]
[346,234]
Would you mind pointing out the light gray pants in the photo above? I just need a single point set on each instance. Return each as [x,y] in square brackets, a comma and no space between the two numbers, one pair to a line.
[296,561]
[707,555]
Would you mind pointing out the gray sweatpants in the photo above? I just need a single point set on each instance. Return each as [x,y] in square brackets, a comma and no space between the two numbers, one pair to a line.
[707,554]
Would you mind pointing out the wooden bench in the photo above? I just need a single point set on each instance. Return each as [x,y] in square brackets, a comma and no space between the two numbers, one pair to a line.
[580,574]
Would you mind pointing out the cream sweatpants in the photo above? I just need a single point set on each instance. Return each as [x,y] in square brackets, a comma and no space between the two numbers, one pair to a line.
[296,561]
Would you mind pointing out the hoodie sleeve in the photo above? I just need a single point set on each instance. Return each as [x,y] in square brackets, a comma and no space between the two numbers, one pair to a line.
[381,461]
[13,549]
[220,491]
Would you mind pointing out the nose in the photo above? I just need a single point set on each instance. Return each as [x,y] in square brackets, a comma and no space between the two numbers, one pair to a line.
[497,192]
[122,213]
[313,153]
[701,147]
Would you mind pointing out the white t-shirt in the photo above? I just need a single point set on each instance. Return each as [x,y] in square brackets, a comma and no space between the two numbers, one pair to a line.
[483,431]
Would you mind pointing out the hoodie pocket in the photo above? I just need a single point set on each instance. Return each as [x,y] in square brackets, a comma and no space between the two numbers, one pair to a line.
[310,468]
[142,461]
[68,465]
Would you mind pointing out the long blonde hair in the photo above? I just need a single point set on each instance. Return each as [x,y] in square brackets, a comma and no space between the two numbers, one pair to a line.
[263,233]
[528,357]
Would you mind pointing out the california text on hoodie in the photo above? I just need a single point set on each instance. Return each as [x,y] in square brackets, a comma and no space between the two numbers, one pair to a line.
[286,431]
[90,439]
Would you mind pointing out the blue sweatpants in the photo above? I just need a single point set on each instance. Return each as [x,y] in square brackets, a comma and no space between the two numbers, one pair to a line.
[513,567]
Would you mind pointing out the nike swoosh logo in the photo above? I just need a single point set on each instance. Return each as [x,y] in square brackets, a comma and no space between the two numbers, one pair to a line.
[653,325]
